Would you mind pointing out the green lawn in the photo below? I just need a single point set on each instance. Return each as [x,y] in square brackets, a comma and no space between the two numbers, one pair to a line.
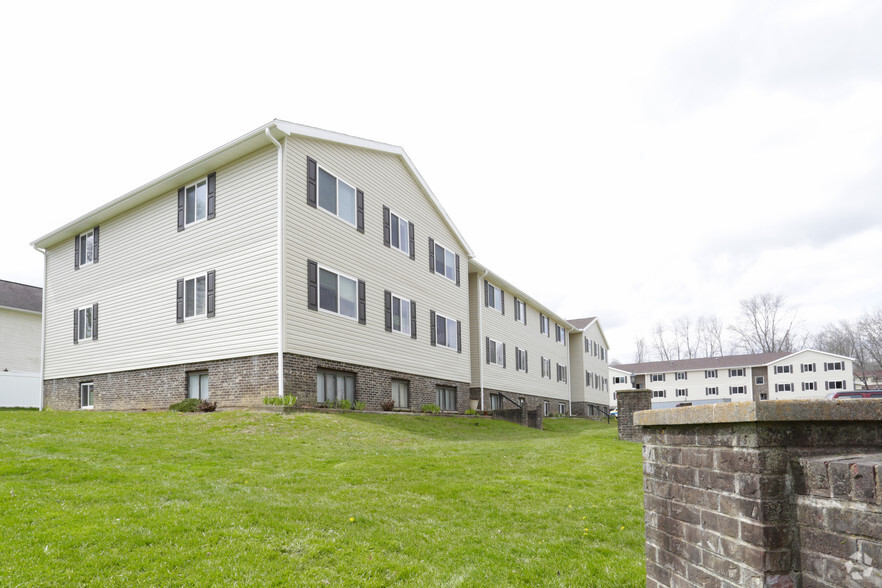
[241,498]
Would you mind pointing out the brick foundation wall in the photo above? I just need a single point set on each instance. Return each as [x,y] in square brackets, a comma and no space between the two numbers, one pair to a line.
[629,402]
[745,494]
[530,401]
[241,381]
[520,416]
[372,385]
[591,410]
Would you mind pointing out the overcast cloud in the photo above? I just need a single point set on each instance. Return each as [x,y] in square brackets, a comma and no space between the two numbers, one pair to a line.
[636,160]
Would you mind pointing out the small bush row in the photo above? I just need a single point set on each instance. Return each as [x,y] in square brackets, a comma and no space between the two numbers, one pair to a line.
[286,400]
[194,405]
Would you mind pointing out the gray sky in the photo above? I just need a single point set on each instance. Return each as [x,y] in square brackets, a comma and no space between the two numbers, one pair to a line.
[632,160]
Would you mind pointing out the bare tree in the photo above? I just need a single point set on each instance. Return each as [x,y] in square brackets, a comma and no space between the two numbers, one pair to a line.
[846,339]
[640,346]
[688,337]
[766,323]
[710,329]
[870,326]
[665,348]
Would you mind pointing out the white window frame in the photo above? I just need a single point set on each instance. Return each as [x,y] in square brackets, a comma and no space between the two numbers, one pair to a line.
[202,382]
[560,334]
[835,385]
[783,369]
[202,183]
[544,325]
[520,359]
[712,391]
[562,373]
[520,311]
[402,304]
[784,387]
[659,394]
[561,408]
[620,379]
[338,180]
[545,407]
[396,389]
[402,224]
[681,392]
[447,323]
[452,259]
[834,366]
[89,388]
[442,401]
[87,244]
[708,374]
[807,367]
[84,327]
[809,386]
[497,352]
[321,375]
[759,380]
[679,376]
[656,377]
[736,372]
[737,389]
[337,312]
[546,367]
[194,279]
[494,297]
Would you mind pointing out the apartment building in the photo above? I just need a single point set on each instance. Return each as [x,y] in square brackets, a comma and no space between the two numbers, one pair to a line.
[589,358]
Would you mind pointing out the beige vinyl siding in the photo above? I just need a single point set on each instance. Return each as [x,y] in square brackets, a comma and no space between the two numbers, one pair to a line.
[505,329]
[314,234]
[20,340]
[141,257]
[595,365]
[476,301]
[577,364]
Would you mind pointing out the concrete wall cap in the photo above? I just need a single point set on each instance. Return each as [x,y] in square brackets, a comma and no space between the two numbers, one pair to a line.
[763,411]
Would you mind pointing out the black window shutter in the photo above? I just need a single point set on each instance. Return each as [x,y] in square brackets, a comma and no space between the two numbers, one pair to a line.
[95,245]
[432,327]
[387,298]
[502,299]
[411,240]
[486,293]
[503,355]
[524,317]
[526,363]
[458,337]
[180,301]
[359,214]
[386,227]
[95,321]
[181,208]
[77,254]
[362,305]
[76,330]
[311,285]
[487,343]
[209,295]
[413,321]
[457,269]
[431,255]
[212,185]
[311,180]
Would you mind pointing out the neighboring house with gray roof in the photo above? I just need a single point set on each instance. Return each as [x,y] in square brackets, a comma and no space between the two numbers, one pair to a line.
[738,378]
[21,321]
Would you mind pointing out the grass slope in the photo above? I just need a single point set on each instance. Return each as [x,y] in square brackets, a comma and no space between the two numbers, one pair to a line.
[239,498]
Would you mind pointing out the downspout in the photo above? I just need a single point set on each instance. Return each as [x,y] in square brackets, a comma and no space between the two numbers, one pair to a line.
[569,371]
[481,336]
[280,260]
[43,329]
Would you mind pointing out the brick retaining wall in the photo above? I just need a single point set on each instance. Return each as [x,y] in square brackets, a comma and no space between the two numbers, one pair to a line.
[629,402]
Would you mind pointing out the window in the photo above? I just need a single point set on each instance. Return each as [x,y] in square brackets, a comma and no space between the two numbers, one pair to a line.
[87,390]
[783,369]
[521,359]
[783,387]
[331,386]
[659,394]
[807,386]
[560,334]
[495,352]
[561,407]
[197,385]
[495,402]
[520,311]
[196,202]
[561,373]
[87,247]
[679,375]
[446,332]
[494,297]
[545,407]
[712,391]
[736,373]
[710,373]
[737,390]
[546,368]
[338,293]
[194,296]
[588,379]
[336,196]
[620,379]
[656,377]
[86,323]
[446,398]
[401,317]
[807,367]
[764,395]
[839,385]
[543,325]
[521,401]
[834,365]
[760,380]
[445,263]
[399,233]
[603,353]
[401,393]
[681,392]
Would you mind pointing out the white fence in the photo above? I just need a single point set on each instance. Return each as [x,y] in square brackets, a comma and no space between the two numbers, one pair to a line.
[20,389]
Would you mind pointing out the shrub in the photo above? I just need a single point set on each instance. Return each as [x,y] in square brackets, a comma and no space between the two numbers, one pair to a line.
[359,405]
[469,411]
[188,405]
[343,403]
[286,400]
[206,406]
[431,408]
[387,405]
